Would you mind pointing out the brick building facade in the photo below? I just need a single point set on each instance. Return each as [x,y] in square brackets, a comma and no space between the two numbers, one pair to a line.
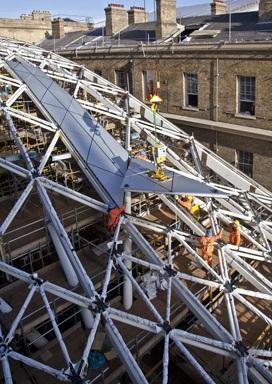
[215,82]
[216,120]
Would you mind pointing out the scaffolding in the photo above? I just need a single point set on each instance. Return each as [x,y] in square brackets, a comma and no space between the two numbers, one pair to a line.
[239,276]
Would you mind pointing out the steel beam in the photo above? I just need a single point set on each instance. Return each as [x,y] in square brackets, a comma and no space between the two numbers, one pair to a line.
[74,195]
[135,373]
[16,208]
[181,290]
[82,275]
[49,151]
[42,367]
[136,321]
[205,343]
[16,169]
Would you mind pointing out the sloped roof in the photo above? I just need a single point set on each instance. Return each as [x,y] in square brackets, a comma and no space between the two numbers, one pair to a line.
[244,27]
[132,34]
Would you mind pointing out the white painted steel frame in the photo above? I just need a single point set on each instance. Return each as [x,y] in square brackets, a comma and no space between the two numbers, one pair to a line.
[245,194]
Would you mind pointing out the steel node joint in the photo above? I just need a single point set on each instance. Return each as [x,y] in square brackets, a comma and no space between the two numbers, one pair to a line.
[74,377]
[169,271]
[100,304]
[241,348]
[37,280]
[3,348]
[229,286]
[166,327]
[113,253]
[35,174]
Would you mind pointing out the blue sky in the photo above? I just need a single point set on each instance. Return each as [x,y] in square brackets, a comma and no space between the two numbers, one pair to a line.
[92,8]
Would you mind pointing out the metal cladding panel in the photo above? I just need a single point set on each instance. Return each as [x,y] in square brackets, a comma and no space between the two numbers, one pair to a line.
[75,107]
[58,113]
[138,180]
[82,139]
[42,77]
[104,157]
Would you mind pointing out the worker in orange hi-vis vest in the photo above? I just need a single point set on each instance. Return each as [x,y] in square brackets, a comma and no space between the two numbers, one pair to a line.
[188,203]
[185,202]
[235,233]
[207,245]
[114,217]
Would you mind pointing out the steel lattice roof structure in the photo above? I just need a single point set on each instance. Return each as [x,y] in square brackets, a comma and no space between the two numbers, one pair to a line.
[242,275]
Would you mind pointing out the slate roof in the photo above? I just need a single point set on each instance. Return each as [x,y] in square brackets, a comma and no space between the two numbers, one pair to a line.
[245,27]
[133,34]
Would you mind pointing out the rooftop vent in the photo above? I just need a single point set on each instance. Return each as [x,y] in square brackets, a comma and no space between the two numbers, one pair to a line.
[205,33]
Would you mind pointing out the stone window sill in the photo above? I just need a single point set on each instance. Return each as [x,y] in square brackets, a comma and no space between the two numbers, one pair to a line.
[241,116]
[190,109]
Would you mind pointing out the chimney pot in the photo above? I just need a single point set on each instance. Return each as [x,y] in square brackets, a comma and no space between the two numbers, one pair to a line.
[218,7]
[137,15]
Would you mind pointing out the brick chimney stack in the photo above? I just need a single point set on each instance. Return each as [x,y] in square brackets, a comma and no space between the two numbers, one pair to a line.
[166,11]
[116,18]
[58,28]
[137,15]
[265,10]
[218,7]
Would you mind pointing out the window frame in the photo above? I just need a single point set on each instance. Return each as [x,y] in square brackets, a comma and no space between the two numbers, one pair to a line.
[245,162]
[192,93]
[120,72]
[127,83]
[246,99]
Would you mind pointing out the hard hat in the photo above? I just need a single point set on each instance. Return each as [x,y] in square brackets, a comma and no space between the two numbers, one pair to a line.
[209,232]
[155,99]
[176,197]
[190,197]
[237,222]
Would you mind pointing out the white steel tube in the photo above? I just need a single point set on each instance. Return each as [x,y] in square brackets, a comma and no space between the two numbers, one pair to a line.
[127,287]
[63,258]
[55,327]
[6,370]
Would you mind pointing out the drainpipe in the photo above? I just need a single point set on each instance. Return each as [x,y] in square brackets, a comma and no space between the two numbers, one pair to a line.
[216,90]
